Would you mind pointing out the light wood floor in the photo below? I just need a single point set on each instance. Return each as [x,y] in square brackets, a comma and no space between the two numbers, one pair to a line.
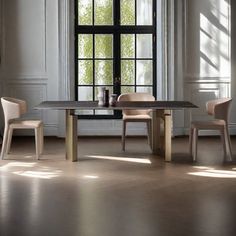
[112,193]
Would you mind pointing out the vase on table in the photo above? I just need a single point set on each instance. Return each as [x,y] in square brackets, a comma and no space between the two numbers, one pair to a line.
[101,96]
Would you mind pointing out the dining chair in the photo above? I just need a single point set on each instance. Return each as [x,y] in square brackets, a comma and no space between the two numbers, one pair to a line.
[136,115]
[13,109]
[219,109]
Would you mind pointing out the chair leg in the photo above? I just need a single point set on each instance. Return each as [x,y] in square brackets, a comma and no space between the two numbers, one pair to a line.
[123,135]
[223,140]
[4,142]
[41,136]
[191,141]
[149,132]
[195,131]
[37,142]
[228,141]
[9,139]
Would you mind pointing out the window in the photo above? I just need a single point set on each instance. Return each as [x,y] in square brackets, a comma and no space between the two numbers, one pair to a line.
[115,47]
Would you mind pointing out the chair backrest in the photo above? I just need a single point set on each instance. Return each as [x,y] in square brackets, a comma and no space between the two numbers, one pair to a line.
[136,97]
[12,108]
[219,108]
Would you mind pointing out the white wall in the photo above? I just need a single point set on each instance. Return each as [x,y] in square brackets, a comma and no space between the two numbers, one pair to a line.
[207,67]
[29,54]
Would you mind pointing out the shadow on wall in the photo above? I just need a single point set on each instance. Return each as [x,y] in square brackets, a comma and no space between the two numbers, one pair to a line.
[208,42]
[208,52]
[215,39]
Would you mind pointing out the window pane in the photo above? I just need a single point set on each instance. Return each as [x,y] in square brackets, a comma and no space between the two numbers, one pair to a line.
[85,93]
[127,89]
[144,89]
[103,72]
[144,12]
[144,45]
[144,72]
[103,46]
[127,12]
[85,12]
[85,45]
[127,72]
[103,12]
[127,46]
[85,72]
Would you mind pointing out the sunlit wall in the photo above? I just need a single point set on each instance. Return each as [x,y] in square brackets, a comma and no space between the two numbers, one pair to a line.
[207,73]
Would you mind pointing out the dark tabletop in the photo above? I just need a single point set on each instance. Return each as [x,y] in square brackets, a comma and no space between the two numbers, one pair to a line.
[88,105]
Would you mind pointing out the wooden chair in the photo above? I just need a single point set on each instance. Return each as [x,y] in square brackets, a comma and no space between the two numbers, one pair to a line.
[13,109]
[136,115]
[219,109]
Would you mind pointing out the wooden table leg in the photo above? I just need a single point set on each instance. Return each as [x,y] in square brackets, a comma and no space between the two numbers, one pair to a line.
[161,135]
[168,126]
[71,135]
[156,132]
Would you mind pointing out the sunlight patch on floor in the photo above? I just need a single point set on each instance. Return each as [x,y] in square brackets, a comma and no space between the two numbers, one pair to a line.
[214,173]
[19,168]
[127,159]
[90,177]
[38,174]
[17,164]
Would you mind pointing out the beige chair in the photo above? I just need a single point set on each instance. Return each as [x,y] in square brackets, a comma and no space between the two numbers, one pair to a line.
[219,109]
[13,109]
[136,115]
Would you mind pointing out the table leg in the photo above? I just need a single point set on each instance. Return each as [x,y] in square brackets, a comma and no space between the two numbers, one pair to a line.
[156,131]
[168,125]
[161,136]
[71,135]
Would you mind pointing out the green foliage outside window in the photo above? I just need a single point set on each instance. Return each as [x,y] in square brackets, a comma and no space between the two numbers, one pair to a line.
[95,65]
[127,12]
[85,12]
[103,12]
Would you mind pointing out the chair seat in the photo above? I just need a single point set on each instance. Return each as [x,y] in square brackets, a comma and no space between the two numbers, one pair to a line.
[137,117]
[25,124]
[212,124]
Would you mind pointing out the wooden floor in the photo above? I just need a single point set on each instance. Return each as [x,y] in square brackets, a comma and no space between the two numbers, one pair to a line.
[112,193]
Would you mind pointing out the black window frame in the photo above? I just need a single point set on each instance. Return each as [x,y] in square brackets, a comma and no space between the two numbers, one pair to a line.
[116,30]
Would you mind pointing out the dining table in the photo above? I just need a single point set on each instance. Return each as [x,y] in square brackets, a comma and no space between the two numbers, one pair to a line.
[162,113]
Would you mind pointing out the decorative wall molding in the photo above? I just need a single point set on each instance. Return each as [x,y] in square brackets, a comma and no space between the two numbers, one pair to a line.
[10,67]
[197,78]
[208,81]
[50,129]
[29,80]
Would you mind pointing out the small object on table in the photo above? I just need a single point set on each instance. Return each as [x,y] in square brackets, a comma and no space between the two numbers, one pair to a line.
[101,96]
[106,98]
[112,100]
